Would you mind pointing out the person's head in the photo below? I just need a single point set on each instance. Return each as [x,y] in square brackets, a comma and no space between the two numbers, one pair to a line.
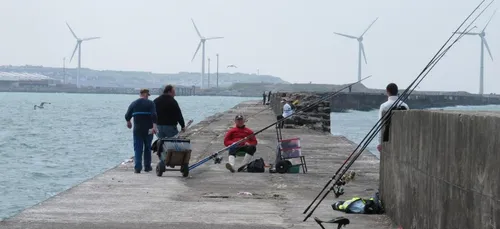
[239,120]
[392,89]
[169,90]
[144,93]
[284,101]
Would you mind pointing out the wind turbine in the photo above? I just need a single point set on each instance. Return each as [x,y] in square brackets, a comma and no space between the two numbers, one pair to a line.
[482,34]
[361,50]
[79,47]
[202,42]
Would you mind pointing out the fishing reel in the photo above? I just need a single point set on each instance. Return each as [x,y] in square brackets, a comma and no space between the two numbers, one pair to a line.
[218,160]
[338,188]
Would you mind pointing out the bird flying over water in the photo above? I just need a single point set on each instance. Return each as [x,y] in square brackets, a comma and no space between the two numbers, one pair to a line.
[40,106]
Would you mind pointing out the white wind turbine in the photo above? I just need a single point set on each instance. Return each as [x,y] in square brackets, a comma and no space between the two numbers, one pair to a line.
[361,50]
[202,42]
[79,47]
[482,34]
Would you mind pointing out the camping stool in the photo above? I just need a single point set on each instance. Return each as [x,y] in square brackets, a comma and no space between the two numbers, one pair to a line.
[240,153]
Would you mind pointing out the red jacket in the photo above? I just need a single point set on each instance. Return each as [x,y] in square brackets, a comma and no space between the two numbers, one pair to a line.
[236,133]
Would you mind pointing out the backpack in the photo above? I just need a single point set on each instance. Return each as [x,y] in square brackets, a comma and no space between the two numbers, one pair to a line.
[256,166]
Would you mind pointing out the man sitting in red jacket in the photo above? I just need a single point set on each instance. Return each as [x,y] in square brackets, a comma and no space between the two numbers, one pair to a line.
[235,134]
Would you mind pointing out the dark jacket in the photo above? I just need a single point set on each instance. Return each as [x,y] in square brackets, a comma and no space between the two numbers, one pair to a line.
[237,133]
[168,111]
[144,113]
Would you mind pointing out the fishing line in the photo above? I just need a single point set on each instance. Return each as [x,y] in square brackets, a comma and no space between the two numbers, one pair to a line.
[214,155]
[387,115]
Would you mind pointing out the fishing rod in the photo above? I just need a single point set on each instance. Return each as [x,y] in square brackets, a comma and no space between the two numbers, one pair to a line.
[433,61]
[214,155]
[338,183]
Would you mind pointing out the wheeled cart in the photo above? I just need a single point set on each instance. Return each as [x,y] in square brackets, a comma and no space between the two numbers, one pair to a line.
[173,152]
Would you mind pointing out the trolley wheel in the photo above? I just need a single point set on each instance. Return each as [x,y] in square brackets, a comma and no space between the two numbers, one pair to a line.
[283,166]
[185,170]
[160,168]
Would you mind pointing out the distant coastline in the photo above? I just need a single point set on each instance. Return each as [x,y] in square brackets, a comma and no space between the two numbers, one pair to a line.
[181,91]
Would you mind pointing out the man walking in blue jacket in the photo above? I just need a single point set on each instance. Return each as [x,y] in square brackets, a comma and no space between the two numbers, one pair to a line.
[143,111]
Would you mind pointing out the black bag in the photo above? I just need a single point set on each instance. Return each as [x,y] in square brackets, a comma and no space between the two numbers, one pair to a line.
[386,128]
[256,166]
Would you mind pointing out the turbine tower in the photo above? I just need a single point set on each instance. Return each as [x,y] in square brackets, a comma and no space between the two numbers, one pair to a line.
[361,50]
[202,42]
[482,34]
[79,47]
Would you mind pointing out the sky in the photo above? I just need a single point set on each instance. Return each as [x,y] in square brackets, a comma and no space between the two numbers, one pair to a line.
[291,39]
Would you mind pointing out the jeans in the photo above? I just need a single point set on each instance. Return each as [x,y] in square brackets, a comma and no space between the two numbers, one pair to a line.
[282,123]
[142,144]
[165,131]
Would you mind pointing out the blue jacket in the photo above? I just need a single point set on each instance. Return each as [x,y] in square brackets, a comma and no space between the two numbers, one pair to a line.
[144,113]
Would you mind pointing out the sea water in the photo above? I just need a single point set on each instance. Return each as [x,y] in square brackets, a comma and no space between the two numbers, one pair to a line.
[78,136]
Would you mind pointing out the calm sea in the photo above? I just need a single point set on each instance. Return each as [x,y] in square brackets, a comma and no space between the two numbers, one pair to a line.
[77,136]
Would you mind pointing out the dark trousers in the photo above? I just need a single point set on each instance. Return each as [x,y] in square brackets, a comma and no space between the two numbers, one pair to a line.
[249,149]
[142,146]
[280,124]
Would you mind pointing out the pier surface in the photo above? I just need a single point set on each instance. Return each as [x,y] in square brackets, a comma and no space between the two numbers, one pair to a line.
[209,197]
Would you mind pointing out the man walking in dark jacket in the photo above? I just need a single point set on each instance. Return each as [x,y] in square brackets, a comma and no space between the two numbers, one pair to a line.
[169,113]
[144,113]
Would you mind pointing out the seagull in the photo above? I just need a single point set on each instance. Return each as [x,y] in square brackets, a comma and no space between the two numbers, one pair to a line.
[40,106]
[232,66]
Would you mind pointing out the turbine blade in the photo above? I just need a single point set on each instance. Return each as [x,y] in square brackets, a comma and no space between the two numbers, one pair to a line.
[487,47]
[489,21]
[213,38]
[466,33]
[369,27]
[199,45]
[90,38]
[345,35]
[363,51]
[197,31]
[74,35]
[74,51]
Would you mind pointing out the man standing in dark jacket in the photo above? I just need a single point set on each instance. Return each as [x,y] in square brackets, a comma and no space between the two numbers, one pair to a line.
[169,113]
[144,113]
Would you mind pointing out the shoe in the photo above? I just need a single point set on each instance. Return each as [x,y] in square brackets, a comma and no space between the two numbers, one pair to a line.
[243,167]
[137,171]
[148,170]
[229,167]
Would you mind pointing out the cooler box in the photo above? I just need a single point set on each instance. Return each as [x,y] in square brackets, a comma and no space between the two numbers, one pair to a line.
[176,144]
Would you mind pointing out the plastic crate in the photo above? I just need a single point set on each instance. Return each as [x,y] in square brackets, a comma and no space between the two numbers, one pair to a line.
[290,143]
[291,152]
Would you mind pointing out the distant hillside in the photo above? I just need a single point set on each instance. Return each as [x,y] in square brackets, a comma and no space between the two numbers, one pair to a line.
[133,79]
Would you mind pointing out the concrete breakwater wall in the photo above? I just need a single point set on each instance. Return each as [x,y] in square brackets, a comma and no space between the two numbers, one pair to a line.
[370,101]
[440,169]
[317,118]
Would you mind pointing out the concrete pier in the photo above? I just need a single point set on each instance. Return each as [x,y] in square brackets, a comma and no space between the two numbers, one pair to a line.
[209,197]
[440,170]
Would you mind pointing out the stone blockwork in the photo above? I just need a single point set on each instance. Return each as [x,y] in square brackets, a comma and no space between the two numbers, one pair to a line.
[317,118]
[441,169]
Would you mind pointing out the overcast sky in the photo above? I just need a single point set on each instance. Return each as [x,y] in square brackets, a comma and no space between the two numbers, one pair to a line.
[291,39]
